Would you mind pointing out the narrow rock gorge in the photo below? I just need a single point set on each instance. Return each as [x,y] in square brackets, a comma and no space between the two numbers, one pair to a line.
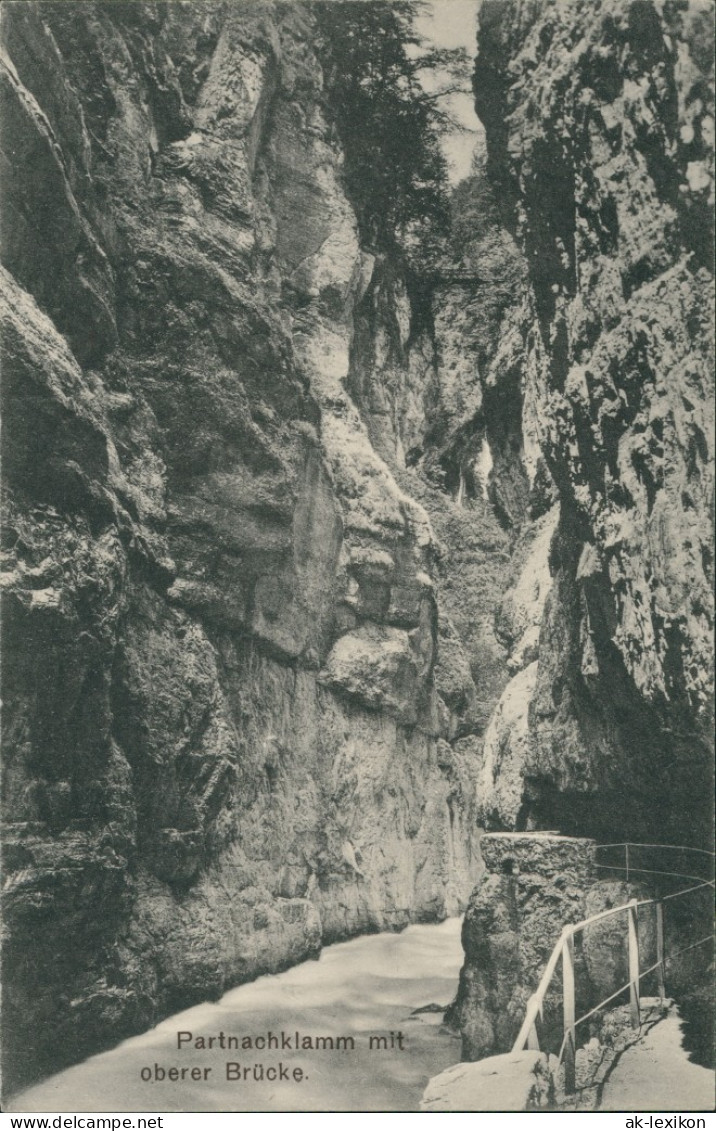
[323,550]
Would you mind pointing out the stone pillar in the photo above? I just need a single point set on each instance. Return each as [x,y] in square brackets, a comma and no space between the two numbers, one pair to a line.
[534,884]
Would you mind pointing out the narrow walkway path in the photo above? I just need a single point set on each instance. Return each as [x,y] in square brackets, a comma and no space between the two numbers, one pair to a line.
[656,1075]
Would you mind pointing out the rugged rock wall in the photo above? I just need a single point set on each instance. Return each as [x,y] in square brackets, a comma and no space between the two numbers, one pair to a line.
[599,122]
[447,385]
[225,739]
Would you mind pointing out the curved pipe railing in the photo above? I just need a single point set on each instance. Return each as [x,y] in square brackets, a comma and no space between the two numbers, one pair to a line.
[564,950]
[631,865]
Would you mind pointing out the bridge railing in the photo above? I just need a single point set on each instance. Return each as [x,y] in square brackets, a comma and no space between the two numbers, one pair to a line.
[634,860]
[564,951]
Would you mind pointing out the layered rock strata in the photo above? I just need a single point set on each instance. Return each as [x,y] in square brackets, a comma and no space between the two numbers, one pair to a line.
[225,742]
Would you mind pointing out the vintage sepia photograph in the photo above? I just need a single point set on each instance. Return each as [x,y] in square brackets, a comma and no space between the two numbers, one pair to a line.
[357,373]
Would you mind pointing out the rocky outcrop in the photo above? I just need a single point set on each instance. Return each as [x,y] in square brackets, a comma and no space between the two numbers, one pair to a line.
[599,126]
[507,746]
[225,741]
[512,1082]
[533,884]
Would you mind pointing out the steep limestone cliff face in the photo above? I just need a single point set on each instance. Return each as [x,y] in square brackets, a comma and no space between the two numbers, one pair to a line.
[225,742]
[448,390]
[599,122]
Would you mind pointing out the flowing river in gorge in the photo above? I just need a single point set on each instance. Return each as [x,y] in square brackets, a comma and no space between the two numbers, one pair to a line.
[365,992]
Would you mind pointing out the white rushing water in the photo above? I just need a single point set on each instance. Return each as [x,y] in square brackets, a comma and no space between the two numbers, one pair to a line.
[363,989]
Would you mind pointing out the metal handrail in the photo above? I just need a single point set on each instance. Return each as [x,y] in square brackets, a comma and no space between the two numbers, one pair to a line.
[642,844]
[629,867]
[676,894]
[564,950]
[649,872]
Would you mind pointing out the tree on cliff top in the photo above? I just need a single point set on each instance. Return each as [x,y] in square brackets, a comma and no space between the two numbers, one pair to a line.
[389,123]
